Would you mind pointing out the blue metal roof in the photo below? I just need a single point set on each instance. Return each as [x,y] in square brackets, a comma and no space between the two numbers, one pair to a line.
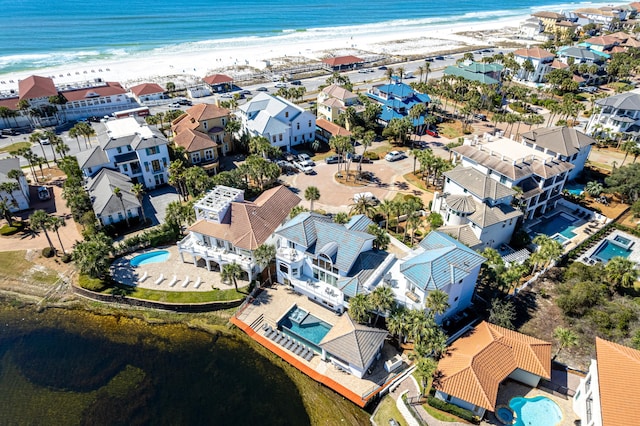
[444,261]
[301,229]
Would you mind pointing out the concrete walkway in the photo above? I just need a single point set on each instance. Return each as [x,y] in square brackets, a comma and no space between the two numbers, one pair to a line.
[411,386]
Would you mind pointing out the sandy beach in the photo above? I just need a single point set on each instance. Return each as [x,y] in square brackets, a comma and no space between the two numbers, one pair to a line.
[187,63]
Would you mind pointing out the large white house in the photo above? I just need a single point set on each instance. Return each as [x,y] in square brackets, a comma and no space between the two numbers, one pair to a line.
[617,114]
[283,123]
[539,58]
[19,199]
[109,204]
[539,175]
[607,395]
[132,148]
[229,229]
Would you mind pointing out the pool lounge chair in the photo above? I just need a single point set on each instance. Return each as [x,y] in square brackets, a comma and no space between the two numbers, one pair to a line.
[185,282]
[198,282]
[291,344]
[281,339]
[160,279]
[173,281]
[309,355]
[144,277]
[275,335]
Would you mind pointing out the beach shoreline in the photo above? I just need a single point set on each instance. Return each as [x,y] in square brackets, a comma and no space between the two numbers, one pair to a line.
[188,67]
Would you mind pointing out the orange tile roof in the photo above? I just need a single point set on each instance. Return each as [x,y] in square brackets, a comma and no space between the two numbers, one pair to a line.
[110,89]
[602,40]
[533,52]
[217,79]
[478,362]
[342,60]
[193,140]
[248,224]
[619,382]
[558,64]
[11,103]
[34,87]
[146,89]
[332,128]
[207,111]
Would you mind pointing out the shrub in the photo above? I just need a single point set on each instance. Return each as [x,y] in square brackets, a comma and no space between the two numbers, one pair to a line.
[452,409]
[66,258]
[48,252]
[371,155]
[92,284]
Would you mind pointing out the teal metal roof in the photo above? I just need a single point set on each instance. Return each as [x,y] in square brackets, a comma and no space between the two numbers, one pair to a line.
[469,75]
[301,229]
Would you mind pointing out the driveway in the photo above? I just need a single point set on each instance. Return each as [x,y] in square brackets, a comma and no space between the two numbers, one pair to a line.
[155,203]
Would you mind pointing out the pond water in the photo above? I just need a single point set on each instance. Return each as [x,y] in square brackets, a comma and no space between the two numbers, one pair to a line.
[76,368]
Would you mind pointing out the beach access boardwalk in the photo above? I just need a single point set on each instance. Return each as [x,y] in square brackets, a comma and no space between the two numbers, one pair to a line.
[271,304]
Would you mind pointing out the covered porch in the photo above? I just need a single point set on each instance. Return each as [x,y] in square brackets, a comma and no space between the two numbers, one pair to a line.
[214,258]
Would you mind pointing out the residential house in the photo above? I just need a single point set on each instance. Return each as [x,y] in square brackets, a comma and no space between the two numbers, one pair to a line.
[328,262]
[476,364]
[351,346]
[565,143]
[147,92]
[396,99]
[19,199]
[477,71]
[201,131]
[228,229]
[109,206]
[617,114]
[219,83]
[340,63]
[325,130]
[554,22]
[10,100]
[539,58]
[581,55]
[476,208]
[539,176]
[133,149]
[607,17]
[531,28]
[607,394]
[334,100]
[438,263]
[282,122]
[604,43]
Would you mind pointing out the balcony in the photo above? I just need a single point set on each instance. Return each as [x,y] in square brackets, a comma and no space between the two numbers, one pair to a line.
[326,293]
[217,254]
[288,254]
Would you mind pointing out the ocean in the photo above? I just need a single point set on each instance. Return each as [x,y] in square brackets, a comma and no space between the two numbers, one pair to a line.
[37,34]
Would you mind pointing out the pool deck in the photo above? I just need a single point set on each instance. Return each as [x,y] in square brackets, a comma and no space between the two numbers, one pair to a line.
[126,274]
[635,248]
[272,304]
[511,389]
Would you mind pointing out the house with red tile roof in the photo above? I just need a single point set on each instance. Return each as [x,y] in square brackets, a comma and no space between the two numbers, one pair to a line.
[476,364]
[340,63]
[228,229]
[326,129]
[554,22]
[539,58]
[147,92]
[219,83]
[201,131]
[608,394]
[36,90]
[334,100]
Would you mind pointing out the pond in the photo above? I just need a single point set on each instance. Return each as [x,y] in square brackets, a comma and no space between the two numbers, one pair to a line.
[83,369]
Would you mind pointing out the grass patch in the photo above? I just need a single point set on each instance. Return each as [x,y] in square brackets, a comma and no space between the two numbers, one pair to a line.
[451,129]
[15,147]
[440,415]
[185,296]
[14,267]
[387,409]
[18,226]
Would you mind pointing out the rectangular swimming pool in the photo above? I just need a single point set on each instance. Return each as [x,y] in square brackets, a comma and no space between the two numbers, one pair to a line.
[308,328]
[558,223]
[608,250]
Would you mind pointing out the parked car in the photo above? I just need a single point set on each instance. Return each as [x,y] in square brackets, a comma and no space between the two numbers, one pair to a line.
[382,68]
[9,132]
[334,159]
[480,117]
[296,82]
[357,158]
[366,195]
[304,168]
[45,141]
[286,166]
[433,133]
[306,157]
[394,156]
[245,92]
[174,105]
[281,85]
[439,58]
[184,102]
[262,89]
[43,193]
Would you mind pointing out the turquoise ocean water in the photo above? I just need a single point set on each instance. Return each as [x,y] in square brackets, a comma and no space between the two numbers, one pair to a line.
[36,34]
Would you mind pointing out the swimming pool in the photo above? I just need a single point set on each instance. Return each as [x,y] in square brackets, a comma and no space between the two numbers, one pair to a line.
[574,188]
[608,249]
[307,327]
[536,411]
[151,257]
[558,223]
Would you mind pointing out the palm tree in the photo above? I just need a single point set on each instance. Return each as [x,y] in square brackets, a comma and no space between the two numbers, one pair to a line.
[426,368]
[387,208]
[566,338]
[341,218]
[40,219]
[621,272]
[263,256]
[627,147]
[137,189]
[363,205]
[118,193]
[437,301]
[56,223]
[359,307]
[397,324]
[311,194]
[382,299]
[231,272]
[35,138]
[16,174]
[594,188]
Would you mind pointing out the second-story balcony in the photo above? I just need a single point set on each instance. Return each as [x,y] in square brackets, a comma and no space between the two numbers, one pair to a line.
[220,255]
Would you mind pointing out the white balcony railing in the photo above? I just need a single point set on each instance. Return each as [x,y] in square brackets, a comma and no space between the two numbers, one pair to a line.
[217,254]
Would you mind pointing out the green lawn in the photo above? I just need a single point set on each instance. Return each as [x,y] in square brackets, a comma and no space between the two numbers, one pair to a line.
[14,266]
[15,147]
[186,296]
[387,410]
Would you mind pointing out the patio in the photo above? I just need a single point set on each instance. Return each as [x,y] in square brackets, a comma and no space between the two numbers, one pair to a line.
[126,274]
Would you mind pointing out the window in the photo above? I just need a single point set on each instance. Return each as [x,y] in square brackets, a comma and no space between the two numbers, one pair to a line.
[503,179]
[146,166]
[309,123]
[274,139]
[284,268]
[119,149]
[208,154]
[195,157]
[125,167]
[156,165]
[297,126]
[204,125]
[286,114]
[129,148]
[456,299]
[153,150]
[295,139]
[280,137]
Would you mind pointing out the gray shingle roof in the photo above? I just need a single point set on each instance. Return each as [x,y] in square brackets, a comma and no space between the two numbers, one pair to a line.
[628,101]
[464,234]
[354,343]
[486,216]
[479,184]
[461,203]
[563,140]
[92,158]
[103,200]
[301,229]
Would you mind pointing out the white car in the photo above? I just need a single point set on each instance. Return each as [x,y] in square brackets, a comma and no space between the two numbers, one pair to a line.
[304,168]
[174,105]
[394,156]
[366,195]
[281,85]
[304,158]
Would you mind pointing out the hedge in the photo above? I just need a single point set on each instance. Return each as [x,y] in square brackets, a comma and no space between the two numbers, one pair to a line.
[452,409]
[10,230]
[93,284]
